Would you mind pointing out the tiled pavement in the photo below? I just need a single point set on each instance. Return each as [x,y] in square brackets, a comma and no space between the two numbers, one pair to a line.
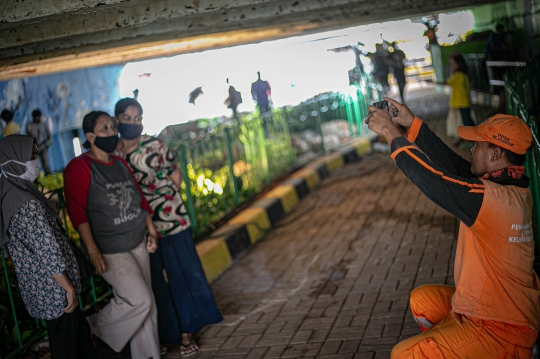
[332,280]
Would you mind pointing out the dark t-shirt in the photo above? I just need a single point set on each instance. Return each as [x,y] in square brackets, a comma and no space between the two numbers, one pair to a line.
[107,196]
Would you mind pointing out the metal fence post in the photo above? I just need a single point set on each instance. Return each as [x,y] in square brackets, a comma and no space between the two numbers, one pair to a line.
[342,106]
[262,151]
[348,110]
[287,132]
[356,111]
[231,164]
[361,113]
[187,182]
[318,120]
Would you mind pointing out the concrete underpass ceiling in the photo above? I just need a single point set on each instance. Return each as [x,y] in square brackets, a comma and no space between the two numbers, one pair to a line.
[45,36]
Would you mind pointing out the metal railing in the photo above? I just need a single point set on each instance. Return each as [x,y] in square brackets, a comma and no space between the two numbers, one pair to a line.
[221,170]
[229,166]
[522,96]
[478,76]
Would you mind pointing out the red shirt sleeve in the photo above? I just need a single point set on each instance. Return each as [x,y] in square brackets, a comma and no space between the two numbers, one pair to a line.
[144,202]
[76,189]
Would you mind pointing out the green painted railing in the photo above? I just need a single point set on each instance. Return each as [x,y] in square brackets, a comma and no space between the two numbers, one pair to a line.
[221,170]
[523,100]
[228,166]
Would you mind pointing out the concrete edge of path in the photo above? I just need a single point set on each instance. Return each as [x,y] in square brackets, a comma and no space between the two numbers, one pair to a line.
[245,229]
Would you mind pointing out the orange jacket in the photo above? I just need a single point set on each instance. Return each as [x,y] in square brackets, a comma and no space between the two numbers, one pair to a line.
[494,272]
[494,258]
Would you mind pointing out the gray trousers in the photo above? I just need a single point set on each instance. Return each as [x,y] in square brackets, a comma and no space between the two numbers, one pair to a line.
[44,155]
[131,316]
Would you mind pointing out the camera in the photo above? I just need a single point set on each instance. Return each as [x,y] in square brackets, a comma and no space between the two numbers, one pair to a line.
[385,106]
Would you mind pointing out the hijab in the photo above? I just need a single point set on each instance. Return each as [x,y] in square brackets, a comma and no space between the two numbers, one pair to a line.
[15,191]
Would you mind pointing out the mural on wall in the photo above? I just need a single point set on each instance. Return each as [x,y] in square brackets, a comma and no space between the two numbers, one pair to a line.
[64,99]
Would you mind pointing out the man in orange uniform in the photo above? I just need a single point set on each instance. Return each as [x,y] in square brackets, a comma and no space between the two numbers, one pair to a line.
[494,310]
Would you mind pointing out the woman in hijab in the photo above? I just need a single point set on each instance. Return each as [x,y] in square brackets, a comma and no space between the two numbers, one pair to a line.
[109,210]
[46,268]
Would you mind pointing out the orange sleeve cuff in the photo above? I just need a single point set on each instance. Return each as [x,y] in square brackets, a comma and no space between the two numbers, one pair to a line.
[414,129]
[399,150]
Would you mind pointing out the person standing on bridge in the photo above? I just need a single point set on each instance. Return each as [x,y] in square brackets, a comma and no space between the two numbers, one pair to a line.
[232,102]
[494,309]
[261,93]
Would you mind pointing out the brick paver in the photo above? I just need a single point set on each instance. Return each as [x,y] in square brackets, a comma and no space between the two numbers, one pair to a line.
[333,279]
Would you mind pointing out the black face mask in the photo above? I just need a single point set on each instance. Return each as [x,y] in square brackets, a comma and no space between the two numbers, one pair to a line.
[107,144]
[130,131]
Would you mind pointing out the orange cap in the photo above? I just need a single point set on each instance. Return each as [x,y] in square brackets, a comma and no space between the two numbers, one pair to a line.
[508,132]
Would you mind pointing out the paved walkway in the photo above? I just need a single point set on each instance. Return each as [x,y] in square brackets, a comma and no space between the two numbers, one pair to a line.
[333,279]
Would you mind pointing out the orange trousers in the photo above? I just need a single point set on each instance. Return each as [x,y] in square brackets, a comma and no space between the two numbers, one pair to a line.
[451,335]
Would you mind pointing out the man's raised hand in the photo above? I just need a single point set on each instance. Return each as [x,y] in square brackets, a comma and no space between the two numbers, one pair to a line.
[404,116]
[380,122]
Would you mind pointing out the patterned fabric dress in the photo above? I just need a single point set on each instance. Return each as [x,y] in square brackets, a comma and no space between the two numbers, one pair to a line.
[153,163]
[39,249]
[183,296]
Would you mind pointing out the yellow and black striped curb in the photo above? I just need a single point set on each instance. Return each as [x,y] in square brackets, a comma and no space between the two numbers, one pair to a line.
[245,229]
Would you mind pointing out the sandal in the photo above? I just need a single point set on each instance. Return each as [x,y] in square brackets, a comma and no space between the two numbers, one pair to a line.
[187,353]
[163,349]
[192,341]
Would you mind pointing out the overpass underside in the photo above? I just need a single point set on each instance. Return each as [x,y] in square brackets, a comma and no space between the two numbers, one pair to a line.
[47,36]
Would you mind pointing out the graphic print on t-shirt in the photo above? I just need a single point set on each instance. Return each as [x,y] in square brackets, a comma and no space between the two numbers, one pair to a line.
[117,221]
[122,197]
[525,233]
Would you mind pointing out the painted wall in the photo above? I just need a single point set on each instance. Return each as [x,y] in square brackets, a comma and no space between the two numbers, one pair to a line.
[64,99]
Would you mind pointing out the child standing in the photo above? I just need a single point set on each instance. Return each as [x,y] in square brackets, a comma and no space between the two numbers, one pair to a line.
[460,103]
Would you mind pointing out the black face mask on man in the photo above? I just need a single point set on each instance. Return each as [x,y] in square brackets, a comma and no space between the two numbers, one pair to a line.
[107,144]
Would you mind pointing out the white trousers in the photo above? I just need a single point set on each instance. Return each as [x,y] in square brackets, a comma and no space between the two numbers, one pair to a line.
[131,316]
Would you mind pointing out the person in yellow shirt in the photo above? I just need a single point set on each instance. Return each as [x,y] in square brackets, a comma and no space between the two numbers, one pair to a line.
[11,127]
[460,103]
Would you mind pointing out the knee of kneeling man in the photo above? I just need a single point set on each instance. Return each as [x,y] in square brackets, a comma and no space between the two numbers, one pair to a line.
[415,295]
[421,292]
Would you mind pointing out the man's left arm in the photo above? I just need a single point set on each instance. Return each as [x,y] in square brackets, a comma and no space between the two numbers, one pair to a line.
[461,196]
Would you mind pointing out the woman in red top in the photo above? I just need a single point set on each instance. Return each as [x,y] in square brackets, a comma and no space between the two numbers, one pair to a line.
[113,218]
